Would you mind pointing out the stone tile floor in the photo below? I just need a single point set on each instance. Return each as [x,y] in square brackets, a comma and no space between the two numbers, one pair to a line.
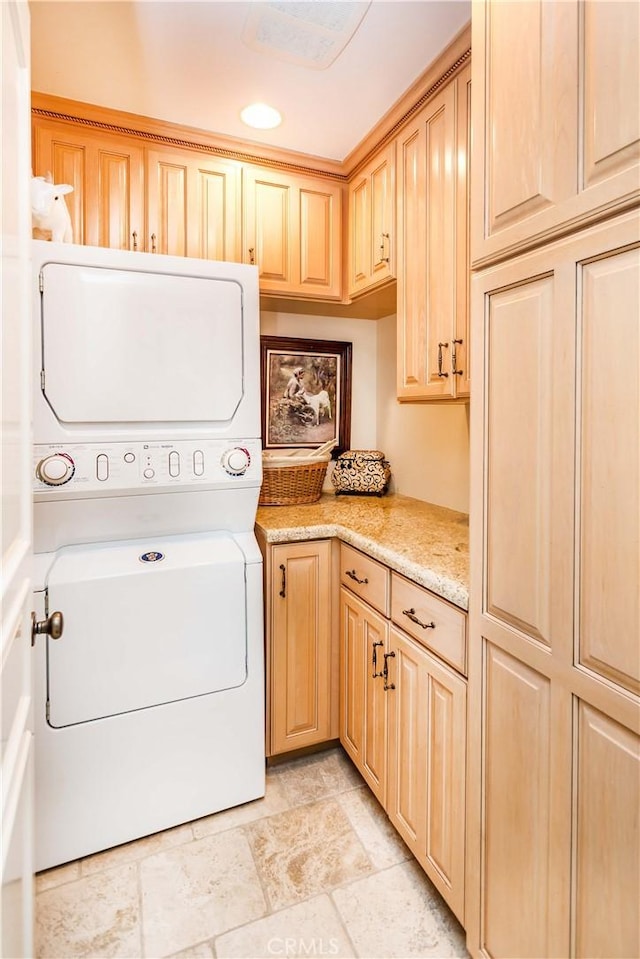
[313,869]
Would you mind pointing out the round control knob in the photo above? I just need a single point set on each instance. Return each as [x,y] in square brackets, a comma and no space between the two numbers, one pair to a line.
[236,461]
[55,470]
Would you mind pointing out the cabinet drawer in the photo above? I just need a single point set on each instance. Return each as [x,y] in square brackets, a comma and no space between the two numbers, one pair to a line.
[440,627]
[365,577]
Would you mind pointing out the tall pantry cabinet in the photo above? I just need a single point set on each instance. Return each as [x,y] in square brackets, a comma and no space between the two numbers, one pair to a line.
[553,839]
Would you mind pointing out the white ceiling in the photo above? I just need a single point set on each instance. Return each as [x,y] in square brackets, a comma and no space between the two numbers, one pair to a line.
[187,62]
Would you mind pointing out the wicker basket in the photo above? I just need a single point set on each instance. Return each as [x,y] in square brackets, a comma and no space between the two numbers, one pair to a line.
[292,485]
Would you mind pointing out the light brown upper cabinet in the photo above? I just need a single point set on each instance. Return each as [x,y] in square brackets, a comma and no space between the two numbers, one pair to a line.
[557,86]
[372,208]
[193,205]
[433,247]
[106,172]
[293,233]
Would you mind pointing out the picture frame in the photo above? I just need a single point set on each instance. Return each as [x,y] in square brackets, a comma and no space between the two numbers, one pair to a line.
[305,392]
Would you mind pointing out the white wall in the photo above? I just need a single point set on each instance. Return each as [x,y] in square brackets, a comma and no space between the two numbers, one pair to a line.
[427,444]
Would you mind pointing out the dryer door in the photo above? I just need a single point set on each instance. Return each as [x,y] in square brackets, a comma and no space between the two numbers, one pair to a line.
[133,348]
[145,623]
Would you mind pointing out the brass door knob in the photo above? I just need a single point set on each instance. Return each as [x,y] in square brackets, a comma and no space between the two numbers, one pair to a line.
[52,626]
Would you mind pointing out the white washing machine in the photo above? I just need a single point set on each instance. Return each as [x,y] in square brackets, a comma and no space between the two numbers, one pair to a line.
[147,471]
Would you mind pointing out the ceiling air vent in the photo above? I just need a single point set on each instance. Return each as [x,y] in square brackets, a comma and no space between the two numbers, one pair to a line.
[310,34]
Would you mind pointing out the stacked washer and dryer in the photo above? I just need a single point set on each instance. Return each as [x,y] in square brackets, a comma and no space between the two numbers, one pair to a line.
[147,471]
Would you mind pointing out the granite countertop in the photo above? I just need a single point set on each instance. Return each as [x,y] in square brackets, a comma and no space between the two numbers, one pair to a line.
[427,544]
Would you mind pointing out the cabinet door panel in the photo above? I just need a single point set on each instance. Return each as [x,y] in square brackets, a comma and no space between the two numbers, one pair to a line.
[372,223]
[609,558]
[463,243]
[106,172]
[531,67]
[363,704]
[352,679]
[167,204]
[411,281]
[316,252]
[520,442]
[441,236]
[382,216]
[611,134]
[120,198]
[557,119]
[406,802]
[515,875]
[293,233]
[572,493]
[433,249]
[62,152]
[360,234]
[214,210]
[427,746]
[300,645]
[607,921]
[444,841]
[272,227]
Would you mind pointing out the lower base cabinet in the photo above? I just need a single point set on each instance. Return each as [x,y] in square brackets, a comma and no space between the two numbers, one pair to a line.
[403,720]
[402,708]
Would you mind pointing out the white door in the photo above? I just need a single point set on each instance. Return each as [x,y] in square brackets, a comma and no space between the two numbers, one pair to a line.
[146,622]
[133,347]
[16,729]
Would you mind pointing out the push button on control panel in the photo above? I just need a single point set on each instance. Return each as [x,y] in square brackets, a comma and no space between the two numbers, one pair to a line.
[149,473]
[174,463]
[198,462]
[129,457]
[102,467]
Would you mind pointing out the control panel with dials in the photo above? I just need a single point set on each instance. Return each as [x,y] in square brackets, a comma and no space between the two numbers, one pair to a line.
[96,468]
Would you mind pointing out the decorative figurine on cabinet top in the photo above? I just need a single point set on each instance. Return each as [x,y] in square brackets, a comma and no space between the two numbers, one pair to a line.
[50,218]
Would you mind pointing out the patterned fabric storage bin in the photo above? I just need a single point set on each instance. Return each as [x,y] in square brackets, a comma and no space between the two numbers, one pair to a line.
[361,472]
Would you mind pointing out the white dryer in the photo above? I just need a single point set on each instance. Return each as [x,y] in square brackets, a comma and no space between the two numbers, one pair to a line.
[147,470]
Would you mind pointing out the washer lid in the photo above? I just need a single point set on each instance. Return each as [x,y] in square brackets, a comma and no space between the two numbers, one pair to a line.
[145,623]
[122,346]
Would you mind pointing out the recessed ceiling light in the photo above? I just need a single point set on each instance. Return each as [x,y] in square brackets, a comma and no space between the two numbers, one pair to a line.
[261,116]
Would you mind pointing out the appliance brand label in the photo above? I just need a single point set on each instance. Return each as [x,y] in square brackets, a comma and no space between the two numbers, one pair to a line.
[151,557]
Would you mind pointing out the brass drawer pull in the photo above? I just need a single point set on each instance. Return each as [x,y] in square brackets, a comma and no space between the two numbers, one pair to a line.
[385,671]
[374,660]
[440,347]
[351,573]
[411,613]
[454,359]
[283,591]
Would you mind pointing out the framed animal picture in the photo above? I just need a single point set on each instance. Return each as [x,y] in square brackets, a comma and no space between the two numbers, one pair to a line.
[306,392]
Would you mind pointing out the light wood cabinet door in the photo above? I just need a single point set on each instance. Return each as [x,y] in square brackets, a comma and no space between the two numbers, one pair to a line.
[557,118]
[301,663]
[426,790]
[107,175]
[293,230]
[371,256]
[555,609]
[433,182]
[363,702]
[193,205]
